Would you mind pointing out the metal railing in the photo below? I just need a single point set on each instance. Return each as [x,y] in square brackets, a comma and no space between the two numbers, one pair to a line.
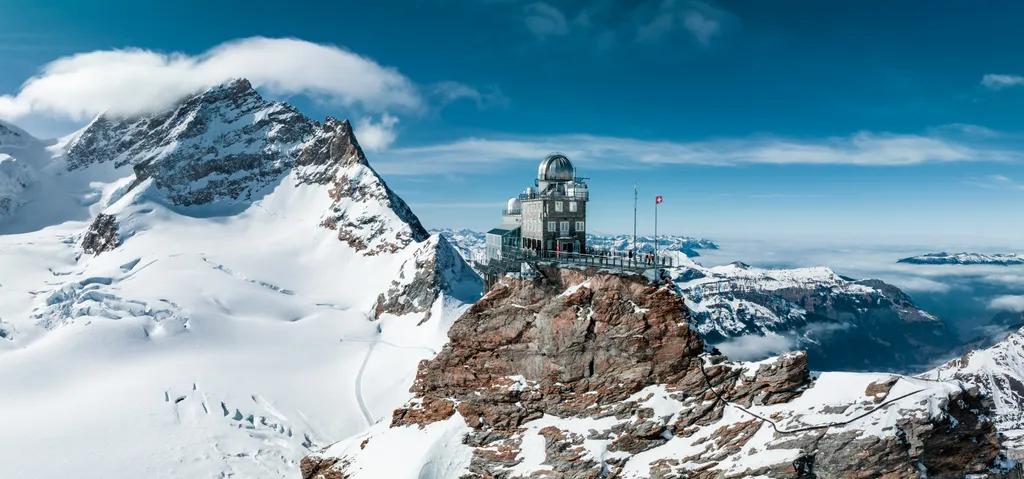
[579,194]
[611,259]
[511,212]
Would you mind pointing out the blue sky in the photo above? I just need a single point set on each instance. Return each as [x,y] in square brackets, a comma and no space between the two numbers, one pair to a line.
[860,121]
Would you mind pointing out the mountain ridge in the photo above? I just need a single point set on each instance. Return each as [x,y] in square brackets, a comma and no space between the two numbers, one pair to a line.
[196,284]
[999,259]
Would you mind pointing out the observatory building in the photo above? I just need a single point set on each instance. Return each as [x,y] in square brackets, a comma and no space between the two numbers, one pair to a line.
[548,217]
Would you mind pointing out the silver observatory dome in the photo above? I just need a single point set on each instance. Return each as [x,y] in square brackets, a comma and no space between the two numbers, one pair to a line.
[556,167]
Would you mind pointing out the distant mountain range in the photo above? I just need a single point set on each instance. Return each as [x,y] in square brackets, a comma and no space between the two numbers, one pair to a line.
[471,243]
[751,313]
[966,258]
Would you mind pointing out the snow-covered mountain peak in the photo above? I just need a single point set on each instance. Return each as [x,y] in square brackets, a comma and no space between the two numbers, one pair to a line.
[13,137]
[226,148]
[188,264]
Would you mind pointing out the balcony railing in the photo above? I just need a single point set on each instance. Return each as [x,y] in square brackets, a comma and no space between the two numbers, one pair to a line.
[514,212]
[579,194]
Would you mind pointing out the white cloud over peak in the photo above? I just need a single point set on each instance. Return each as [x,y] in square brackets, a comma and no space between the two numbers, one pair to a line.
[132,81]
[602,152]
[376,136]
[1008,303]
[995,81]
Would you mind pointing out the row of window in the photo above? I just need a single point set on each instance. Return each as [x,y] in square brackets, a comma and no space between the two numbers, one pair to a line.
[564,226]
[553,226]
[572,206]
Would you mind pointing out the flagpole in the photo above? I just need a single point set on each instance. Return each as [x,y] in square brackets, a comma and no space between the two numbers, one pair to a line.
[655,233]
[634,218]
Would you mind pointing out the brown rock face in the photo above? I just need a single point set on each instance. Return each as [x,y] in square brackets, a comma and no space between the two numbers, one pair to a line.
[596,348]
[576,352]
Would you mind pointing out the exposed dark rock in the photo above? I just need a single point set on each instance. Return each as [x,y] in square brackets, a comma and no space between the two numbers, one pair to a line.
[101,236]
[433,268]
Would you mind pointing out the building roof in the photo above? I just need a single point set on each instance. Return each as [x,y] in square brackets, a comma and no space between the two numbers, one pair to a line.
[504,229]
[556,167]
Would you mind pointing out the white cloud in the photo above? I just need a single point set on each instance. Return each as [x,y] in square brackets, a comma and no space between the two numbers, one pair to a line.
[753,347]
[376,136]
[1008,303]
[997,81]
[700,20]
[450,91]
[921,285]
[997,182]
[598,152]
[544,20]
[131,81]
[702,27]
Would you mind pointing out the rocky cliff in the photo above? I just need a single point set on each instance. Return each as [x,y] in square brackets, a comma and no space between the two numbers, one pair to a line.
[998,371]
[583,375]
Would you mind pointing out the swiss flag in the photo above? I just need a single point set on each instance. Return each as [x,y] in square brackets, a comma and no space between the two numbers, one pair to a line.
[657,200]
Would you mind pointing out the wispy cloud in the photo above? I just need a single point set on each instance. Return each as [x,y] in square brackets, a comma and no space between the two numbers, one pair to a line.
[1007,303]
[133,81]
[701,20]
[598,152]
[450,91]
[995,81]
[544,20]
[999,182]
[459,205]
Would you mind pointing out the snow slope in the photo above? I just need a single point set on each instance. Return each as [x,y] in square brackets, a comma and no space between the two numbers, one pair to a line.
[236,324]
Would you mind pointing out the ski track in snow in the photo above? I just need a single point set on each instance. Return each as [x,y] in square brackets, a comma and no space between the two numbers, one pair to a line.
[359,385]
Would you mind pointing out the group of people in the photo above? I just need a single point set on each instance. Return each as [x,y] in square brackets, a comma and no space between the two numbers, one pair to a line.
[641,258]
[647,258]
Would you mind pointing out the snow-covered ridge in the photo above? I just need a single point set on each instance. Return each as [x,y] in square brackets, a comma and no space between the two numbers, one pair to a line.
[198,293]
[1000,259]
[755,312]
[999,372]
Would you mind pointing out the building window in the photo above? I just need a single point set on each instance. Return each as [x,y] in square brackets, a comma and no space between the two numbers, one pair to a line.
[572,206]
[551,226]
[558,207]
[579,226]
[549,244]
[565,227]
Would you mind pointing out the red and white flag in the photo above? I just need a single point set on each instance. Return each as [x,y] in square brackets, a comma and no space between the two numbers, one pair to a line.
[657,200]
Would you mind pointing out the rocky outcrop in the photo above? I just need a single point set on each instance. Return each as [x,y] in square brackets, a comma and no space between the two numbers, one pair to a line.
[997,371]
[101,236]
[581,375]
[364,206]
[434,267]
